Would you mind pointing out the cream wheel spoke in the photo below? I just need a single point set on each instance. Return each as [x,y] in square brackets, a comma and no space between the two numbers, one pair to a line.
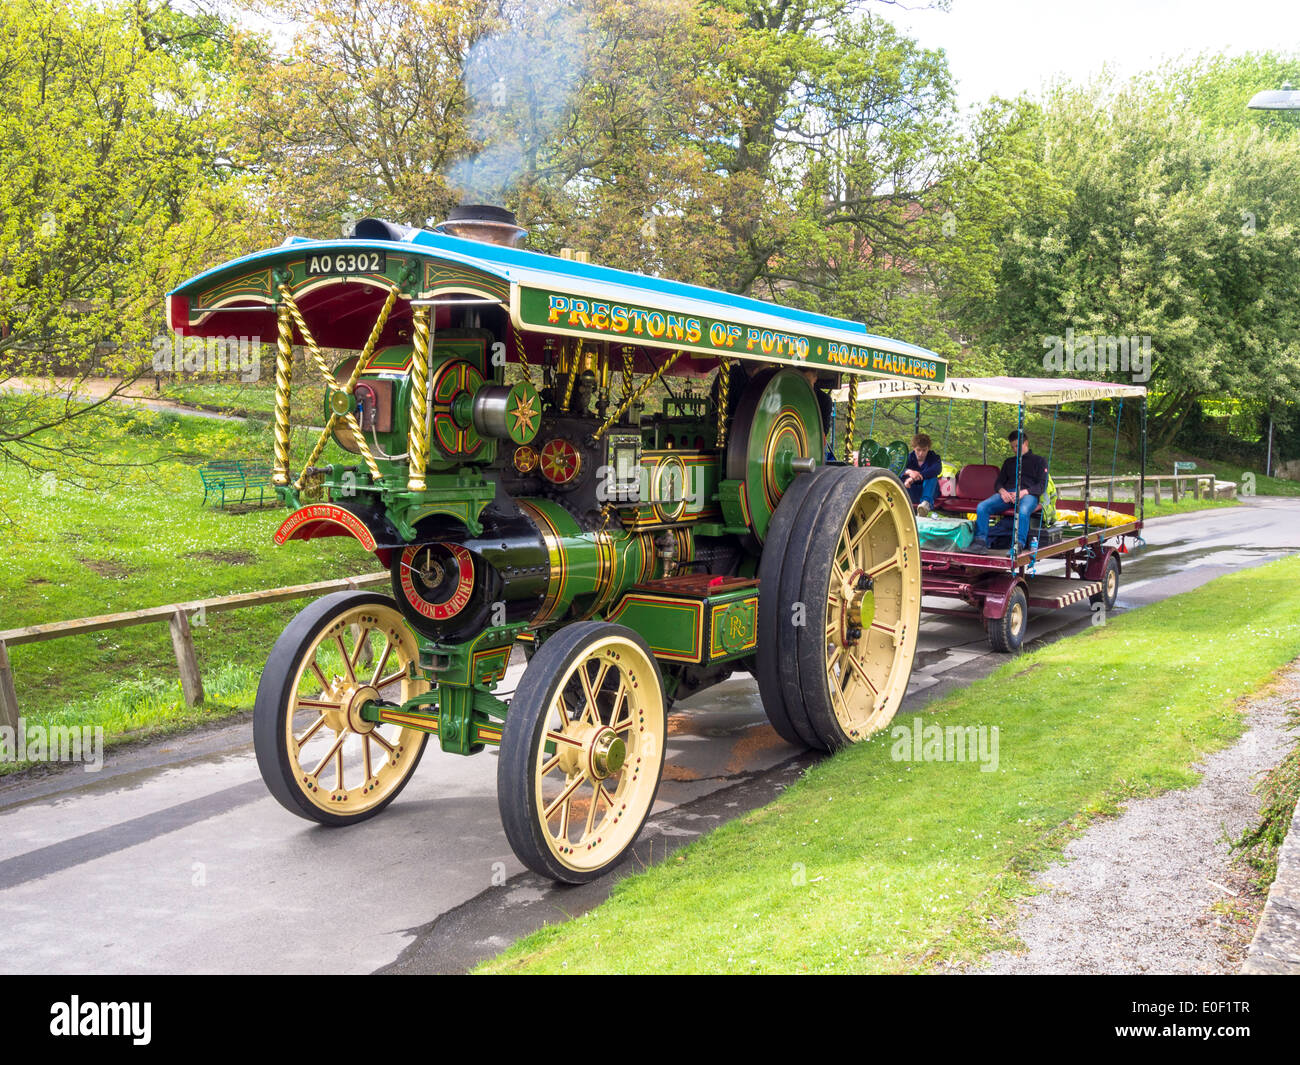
[591,811]
[894,561]
[861,671]
[324,682]
[365,754]
[379,739]
[560,708]
[383,661]
[848,549]
[560,737]
[831,658]
[335,747]
[620,704]
[601,674]
[392,678]
[315,726]
[363,638]
[589,712]
[347,659]
[562,800]
[841,709]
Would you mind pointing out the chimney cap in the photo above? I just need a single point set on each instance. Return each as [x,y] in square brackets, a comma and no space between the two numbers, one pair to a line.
[483,222]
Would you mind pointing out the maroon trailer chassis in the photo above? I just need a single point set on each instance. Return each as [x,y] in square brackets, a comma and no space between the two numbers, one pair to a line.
[999,589]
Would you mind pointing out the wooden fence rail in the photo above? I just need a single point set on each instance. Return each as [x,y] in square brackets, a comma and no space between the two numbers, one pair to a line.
[1202,484]
[177,616]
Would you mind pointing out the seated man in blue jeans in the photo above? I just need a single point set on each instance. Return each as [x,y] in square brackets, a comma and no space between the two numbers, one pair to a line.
[921,477]
[1033,483]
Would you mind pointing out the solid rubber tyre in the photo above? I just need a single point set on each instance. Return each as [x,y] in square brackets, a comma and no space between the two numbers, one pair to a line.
[317,625]
[767,663]
[790,593]
[558,722]
[861,582]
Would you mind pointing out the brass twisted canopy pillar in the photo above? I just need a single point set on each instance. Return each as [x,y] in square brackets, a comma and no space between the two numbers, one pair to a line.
[417,445]
[283,378]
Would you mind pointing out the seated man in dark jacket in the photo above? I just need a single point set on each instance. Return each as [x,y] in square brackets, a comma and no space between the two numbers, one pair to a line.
[1033,483]
[922,473]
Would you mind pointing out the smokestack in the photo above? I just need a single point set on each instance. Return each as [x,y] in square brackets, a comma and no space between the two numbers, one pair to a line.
[378,229]
[483,222]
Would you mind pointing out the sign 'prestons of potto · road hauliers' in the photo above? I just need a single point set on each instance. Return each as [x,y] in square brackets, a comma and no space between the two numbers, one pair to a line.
[560,312]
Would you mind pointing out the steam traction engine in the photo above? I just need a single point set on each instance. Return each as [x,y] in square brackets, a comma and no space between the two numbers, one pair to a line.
[626,476]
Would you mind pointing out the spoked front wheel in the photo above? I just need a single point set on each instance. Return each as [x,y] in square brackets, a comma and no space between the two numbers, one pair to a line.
[318,756]
[582,751]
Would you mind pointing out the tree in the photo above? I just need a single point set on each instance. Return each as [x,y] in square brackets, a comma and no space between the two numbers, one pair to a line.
[1177,229]
[111,191]
[367,112]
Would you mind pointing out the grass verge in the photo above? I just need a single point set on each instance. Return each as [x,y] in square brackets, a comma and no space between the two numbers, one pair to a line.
[875,864]
[1185,506]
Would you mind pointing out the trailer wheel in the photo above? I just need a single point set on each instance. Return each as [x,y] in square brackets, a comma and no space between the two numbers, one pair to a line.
[318,757]
[1007,633]
[854,564]
[582,751]
[1109,585]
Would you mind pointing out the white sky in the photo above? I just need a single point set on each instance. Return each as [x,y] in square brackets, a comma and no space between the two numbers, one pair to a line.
[1009,46]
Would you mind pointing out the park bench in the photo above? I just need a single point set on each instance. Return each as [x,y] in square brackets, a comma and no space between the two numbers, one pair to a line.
[227,476]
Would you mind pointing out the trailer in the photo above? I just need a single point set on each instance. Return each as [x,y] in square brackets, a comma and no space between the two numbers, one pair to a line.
[631,480]
[1000,588]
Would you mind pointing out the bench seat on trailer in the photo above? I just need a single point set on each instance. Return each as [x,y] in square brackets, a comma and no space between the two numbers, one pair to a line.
[975,483]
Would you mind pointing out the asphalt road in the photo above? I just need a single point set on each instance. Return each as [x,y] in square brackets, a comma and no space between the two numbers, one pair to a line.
[173,858]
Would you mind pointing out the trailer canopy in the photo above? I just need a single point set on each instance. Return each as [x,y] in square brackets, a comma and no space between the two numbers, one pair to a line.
[1029,391]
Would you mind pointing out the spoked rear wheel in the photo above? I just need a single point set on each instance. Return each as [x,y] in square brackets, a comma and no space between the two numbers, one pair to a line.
[582,751]
[850,605]
[317,755]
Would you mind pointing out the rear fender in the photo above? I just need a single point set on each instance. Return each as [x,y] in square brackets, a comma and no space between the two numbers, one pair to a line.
[994,592]
[1096,567]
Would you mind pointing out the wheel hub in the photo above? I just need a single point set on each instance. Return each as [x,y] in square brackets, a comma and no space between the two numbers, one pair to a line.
[352,698]
[606,753]
[858,607]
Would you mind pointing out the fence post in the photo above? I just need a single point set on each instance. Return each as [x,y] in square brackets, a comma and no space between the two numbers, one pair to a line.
[8,699]
[1155,489]
[1175,488]
[186,662]
[1197,489]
